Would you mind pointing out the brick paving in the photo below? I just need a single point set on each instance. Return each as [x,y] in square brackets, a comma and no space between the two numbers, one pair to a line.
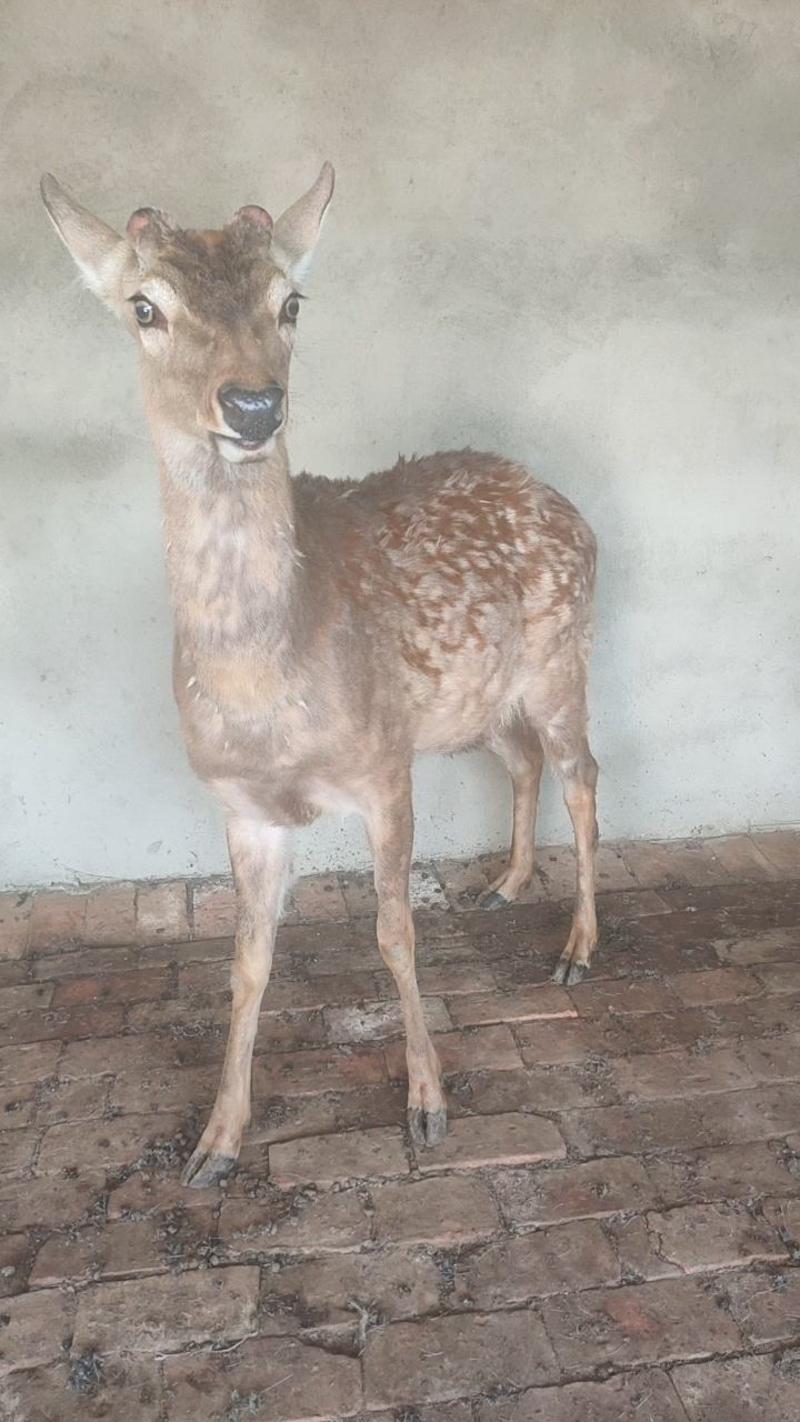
[609,1233]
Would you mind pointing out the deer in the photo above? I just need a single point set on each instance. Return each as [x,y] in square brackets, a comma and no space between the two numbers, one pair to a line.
[327,630]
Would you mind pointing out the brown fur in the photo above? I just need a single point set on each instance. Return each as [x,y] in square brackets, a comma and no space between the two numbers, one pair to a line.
[327,631]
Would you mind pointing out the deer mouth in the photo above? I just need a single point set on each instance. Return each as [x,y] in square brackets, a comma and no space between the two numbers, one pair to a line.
[236,449]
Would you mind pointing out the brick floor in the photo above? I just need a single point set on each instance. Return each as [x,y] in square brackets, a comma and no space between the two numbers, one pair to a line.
[611,1230]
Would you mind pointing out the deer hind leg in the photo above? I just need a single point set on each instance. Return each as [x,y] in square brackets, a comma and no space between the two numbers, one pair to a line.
[390,825]
[520,749]
[563,736]
[259,857]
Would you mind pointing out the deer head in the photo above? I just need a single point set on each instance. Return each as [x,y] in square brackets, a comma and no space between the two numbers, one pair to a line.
[214,314]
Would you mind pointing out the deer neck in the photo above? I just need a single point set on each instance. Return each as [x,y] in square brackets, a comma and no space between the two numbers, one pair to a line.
[232,562]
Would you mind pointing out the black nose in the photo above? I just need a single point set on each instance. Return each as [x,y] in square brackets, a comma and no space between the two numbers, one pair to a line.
[253,414]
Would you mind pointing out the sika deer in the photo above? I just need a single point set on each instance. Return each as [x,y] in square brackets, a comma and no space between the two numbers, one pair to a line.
[325,631]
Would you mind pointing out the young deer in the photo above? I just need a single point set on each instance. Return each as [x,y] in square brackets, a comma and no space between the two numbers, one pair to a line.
[326,630]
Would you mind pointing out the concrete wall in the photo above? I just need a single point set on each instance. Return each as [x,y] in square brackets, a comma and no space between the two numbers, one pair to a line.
[563,229]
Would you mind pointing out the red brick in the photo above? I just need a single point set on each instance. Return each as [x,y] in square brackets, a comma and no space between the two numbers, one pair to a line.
[658,1031]
[647,1395]
[463,882]
[35,1330]
[180,1239]
[143,986]
[353,1155]
[455,1356]
[528,1266]
[739,1390]
[24,997]
[441,1211]
[511,1139]
[450,980]
[111,915]
[640,1323]
[611,870]
[17,1107]
[157,1191]
[749,1115]
[714,1236]
[784,1216]
[17,1149]
[766,1305]
[96,1144]
[774,1058]
[720,1173]
[319,1293]
[591,1190]
[684,861]
[770,945]
[482,1048]
[49,1201]
[57,918]
[527,1005]
[88,962]
[287,1380]
[319,897]
[532,1088]
[378,1021]
[120,1388]
[167,1312]
[165,1089]
[635,1130]
[213,909]
[72,1101]
[359,895]
[637,1250]
[740,856]
[782,849]
[572,1040]
[297,1222]
[717,985]
[15,913]
[161,912]
[314,1072]
[14,1252]
[138,1053]
[283,1118]
[628,995]
[681,1073]
[63,1024]
[780,977]
[630,905]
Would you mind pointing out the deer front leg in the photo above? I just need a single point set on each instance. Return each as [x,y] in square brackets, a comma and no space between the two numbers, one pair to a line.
[259,857]
[390,824]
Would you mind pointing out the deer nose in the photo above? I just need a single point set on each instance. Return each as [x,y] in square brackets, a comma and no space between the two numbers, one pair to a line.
[253,414]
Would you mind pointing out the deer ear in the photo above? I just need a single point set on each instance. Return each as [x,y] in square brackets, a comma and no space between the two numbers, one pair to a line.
[296,232]
[99,252]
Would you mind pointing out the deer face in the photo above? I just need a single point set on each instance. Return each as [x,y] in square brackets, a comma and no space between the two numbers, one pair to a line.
[214,314]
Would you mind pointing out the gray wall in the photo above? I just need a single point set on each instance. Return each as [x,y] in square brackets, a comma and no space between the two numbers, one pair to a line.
[563,229]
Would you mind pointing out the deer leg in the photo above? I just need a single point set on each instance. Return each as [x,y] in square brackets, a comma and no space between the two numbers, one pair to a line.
[579,777]
[390,825]
[259,857]
[520,750]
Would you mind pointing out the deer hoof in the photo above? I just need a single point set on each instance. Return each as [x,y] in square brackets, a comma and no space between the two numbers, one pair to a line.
[568,972]
[495,901]
[206,1167]
[427,1128]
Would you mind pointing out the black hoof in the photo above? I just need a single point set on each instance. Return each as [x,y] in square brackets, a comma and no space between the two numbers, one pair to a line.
[569,973]
[427,1128]
[495,901]
[205,1168]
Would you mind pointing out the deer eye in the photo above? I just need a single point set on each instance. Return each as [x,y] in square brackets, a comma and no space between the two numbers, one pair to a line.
[290,310]
[146,312]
